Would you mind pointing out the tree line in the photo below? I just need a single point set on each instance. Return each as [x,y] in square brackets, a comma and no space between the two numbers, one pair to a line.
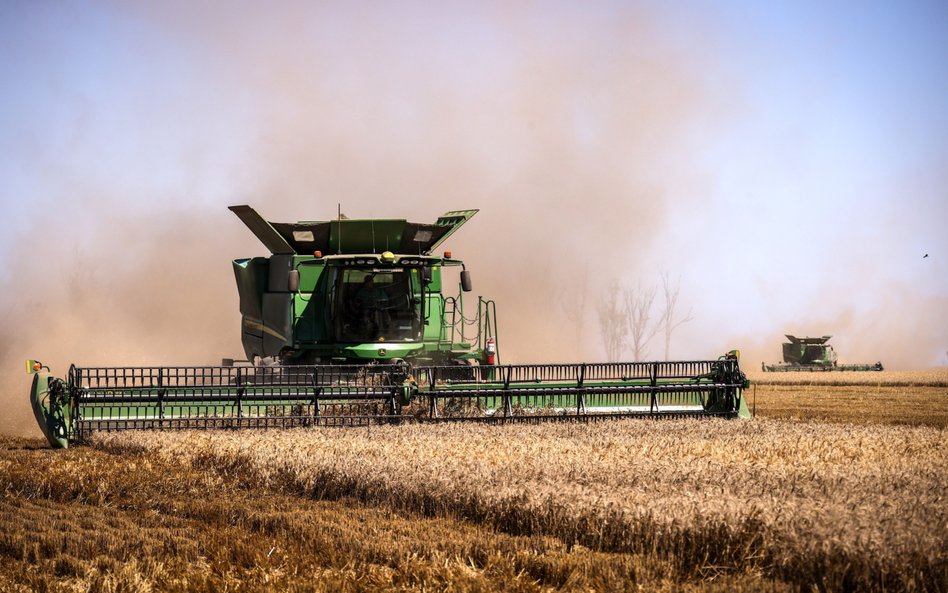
[629,321]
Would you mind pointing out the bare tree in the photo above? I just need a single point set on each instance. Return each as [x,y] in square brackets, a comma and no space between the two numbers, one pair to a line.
[638,306]
[573,306]
[613,321]
[668,322]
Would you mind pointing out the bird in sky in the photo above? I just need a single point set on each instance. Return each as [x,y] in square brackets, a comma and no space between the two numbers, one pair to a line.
[924,256]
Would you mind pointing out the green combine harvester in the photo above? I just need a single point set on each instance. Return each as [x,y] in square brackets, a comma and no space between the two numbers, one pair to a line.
[813,354]
[358,322]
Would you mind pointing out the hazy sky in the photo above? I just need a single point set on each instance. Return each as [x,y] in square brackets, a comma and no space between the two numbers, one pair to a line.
[789,161]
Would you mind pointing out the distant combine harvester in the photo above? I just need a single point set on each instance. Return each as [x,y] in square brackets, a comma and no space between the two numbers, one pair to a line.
[813,354]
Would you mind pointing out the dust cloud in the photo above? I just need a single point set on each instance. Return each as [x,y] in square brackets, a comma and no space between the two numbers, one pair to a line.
[901,337]
[557,125]
[570,129]
[145,295]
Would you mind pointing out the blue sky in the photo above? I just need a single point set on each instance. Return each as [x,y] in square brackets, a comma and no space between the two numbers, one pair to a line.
[788,160]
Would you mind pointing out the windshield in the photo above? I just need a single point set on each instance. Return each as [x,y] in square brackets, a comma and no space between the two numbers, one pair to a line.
[378,305]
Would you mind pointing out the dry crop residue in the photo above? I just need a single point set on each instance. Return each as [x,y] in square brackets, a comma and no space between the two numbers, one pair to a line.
[839,507]
[917,398]
[925,378]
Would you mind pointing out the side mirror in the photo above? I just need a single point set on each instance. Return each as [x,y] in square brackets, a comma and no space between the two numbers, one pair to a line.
[466,285]
[293,281]
[426,275]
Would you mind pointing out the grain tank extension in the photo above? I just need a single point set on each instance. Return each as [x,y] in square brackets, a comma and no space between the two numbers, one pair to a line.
[813,354]
[360,322]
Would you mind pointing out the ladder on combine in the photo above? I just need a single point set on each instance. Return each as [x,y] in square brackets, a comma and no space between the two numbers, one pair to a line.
[458,329]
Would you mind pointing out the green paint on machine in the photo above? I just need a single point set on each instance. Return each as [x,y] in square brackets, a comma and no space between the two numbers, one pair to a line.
[348,322]
[356,290]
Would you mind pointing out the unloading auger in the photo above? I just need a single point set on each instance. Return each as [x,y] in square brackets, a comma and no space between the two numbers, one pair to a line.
[347,323]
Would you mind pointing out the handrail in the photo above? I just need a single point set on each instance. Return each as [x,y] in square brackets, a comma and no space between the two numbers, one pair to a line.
[487,325]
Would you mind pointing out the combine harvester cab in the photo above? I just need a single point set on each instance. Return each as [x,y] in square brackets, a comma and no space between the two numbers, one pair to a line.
[813,354]
[345,323]
[356,291]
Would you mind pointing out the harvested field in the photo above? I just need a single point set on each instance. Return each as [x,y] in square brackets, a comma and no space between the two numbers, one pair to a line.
[917,398]
[926,378]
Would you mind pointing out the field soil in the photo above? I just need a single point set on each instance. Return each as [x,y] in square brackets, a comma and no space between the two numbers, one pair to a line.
[853,500]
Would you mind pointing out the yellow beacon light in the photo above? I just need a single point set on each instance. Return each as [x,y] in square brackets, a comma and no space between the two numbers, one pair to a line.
[388,256]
